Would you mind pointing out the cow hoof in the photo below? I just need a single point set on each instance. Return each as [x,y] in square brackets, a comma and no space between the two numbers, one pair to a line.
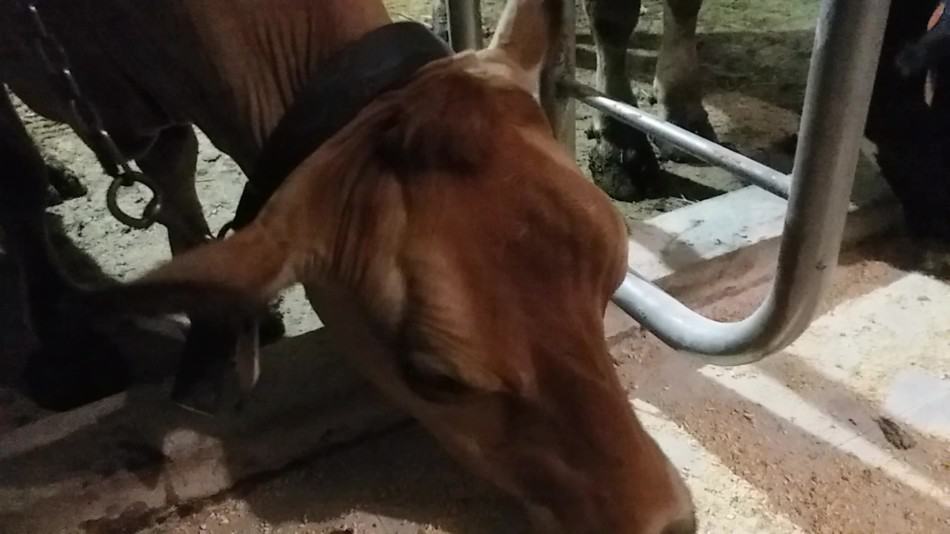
[208,389]
[204,397]
[626,174]
[74,369]
[64,182]
[271,326]
[700,126]
[215,393]
[935,259]
[208,380]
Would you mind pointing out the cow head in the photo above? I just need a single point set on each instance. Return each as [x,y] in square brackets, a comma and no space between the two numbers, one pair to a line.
[466,264]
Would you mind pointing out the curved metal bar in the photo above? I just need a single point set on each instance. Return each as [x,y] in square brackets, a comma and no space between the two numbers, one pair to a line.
[152,210]
[746,169]
[847,45]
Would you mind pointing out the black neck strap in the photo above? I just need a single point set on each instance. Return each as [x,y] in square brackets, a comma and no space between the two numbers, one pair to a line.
[382,60]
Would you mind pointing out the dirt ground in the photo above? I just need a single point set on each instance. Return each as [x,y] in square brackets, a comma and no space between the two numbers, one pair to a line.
[755,56]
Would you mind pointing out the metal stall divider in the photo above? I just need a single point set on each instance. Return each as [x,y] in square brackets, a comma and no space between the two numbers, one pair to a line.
[848,40]
[465,24]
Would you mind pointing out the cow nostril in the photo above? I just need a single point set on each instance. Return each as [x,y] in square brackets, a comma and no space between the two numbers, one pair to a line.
[681,526]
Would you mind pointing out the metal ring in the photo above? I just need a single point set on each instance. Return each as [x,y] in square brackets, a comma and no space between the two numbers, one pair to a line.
[152,209]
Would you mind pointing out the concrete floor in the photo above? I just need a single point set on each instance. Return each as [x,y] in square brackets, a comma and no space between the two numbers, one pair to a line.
[846,431]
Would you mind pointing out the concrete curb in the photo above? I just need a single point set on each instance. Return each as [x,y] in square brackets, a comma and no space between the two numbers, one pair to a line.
[132,453]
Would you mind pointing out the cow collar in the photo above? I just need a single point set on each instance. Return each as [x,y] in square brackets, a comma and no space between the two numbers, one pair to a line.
[380,61]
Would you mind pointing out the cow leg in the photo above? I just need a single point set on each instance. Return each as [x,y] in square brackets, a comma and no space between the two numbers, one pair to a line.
[622,162]
[171,161]
[65,185]
[678,80]
[74,363]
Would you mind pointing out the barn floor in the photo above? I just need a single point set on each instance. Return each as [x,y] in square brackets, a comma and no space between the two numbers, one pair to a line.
[846,431]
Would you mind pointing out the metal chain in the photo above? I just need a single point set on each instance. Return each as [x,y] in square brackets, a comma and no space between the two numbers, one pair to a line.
[113,162]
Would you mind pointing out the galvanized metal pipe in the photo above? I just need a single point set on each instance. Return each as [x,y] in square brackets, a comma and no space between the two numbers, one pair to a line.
[465,24]
[840,79]
[746,169]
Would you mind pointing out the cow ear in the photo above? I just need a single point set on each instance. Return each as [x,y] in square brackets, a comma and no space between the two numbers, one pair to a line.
[526,33]
[231,278]
[227,282]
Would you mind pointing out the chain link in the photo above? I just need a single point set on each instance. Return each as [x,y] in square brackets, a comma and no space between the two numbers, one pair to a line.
[113,162]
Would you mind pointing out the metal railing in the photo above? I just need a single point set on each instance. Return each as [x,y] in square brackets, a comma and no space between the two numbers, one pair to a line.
[465,24]
[746,169]
[840,79]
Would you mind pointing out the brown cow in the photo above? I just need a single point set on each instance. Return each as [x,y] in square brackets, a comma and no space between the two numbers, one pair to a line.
[465,264]
[151,70]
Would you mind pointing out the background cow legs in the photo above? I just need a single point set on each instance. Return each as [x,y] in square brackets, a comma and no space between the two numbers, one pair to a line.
[622,162]
[171,161]
[209,348]
[678,80]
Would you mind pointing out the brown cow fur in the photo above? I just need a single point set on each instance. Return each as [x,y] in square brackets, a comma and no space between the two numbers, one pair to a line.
[465,264]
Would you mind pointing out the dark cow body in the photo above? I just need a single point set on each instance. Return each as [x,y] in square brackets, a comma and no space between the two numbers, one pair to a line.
[23,182]
[151,71]
[912,137]
[75,363]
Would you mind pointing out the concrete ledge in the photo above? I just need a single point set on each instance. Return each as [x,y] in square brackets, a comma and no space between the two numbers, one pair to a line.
[136,452]
[133,453]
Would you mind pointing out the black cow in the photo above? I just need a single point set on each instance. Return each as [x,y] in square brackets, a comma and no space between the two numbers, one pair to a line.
[909,122]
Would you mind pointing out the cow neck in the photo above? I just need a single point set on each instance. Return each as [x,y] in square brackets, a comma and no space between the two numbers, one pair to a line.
[382,60]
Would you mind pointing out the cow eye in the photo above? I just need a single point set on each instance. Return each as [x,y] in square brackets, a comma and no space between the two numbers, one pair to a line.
[432,378]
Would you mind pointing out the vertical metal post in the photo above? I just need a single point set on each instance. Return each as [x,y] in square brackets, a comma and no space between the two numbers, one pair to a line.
[847,46]
[556,100]
[465,24]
